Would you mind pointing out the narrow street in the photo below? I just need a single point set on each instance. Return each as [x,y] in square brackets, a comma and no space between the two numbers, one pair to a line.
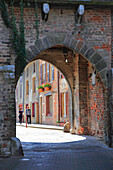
[54,150]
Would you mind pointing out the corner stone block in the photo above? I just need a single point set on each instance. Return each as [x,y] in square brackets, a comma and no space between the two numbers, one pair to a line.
[29,55]
[103,74]
[16,147]
[8,68]
[79,46]
[101,65]
[67,39]
[9,75]
[40,45]
[95,58]
[83,49]
[46,42]
[89,53]
[34,50]
[73,44]
[51,39]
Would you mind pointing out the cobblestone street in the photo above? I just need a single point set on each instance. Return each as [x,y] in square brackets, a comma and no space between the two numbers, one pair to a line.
[54,150]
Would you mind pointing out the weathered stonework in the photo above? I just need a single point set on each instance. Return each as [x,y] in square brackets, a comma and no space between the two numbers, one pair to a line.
[92,39]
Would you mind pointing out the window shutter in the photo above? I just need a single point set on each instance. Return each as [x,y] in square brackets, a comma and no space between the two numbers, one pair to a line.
[47,105]
[41,73]
[60,97]
[48,72]
[52,73]
[45,73]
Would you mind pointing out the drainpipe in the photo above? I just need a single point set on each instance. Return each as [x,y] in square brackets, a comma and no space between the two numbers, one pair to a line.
[58,96]
[72,130]
[23,90]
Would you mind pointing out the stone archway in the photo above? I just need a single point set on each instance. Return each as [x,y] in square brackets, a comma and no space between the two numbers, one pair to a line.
[68,41]
[50,48]
[39,50]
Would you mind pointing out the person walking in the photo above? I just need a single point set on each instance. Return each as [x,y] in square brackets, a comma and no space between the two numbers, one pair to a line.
[28,114]
[20,115]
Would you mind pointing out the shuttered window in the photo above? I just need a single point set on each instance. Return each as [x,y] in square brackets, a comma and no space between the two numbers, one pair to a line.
[49,105]
[48,72]
[52,73]
[41,81]
[45,73]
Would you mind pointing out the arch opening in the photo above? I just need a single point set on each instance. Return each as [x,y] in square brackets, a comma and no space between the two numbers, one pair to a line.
[86,87]
[48,106]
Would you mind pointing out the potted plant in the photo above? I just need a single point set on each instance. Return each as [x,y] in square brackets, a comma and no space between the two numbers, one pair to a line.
[40,88]
[47,87]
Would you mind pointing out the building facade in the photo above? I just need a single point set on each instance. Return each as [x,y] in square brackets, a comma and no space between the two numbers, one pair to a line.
[50,106]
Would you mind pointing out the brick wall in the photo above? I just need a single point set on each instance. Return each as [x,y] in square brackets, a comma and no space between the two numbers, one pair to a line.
[83,80]
[96,105]
[95,29]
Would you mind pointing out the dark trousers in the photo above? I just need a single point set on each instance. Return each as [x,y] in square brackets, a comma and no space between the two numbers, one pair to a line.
[20,120]
[29,119]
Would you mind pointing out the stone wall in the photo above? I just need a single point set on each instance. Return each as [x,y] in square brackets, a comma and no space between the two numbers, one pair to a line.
[7,108]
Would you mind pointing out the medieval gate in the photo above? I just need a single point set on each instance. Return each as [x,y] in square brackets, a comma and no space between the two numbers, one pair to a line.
[81,52]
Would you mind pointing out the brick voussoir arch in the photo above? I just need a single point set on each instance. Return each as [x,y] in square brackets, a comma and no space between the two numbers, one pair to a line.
[70,42]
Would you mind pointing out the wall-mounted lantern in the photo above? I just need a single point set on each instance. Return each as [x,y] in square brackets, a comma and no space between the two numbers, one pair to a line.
[93,78]
[79,13]
[45,11]
[65,52]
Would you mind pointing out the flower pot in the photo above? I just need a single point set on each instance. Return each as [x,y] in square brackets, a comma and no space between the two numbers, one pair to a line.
[41,89]
[47,88]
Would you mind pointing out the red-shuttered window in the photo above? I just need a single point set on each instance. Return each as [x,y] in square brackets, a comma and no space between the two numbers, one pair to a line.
[49,105]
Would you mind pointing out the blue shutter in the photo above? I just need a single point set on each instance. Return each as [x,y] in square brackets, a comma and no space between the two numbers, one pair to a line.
[48,72]
[41,73]
[45,73]
[52,73]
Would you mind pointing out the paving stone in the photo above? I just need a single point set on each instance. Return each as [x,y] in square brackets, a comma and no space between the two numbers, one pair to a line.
[90,153]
